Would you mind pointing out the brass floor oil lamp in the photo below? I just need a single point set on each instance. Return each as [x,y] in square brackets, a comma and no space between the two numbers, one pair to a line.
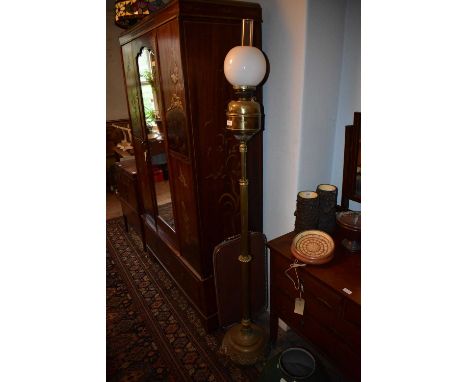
[244,68]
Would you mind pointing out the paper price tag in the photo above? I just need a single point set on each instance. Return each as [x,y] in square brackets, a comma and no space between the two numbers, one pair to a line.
[346,290]
[299,306]
[229,122]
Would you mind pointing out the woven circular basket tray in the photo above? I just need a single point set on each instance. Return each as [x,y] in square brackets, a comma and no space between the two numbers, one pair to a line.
[313,247]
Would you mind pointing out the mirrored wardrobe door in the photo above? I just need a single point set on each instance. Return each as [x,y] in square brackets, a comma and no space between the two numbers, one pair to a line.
[158,165]
[358,172]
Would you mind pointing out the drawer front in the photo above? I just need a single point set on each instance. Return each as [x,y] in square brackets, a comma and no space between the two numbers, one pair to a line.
[278,279]
[320,302]
[126,187]
[321,293]
[283,306]
[332,321]
[346,357]
[133,218]
[352,314]
[312,287]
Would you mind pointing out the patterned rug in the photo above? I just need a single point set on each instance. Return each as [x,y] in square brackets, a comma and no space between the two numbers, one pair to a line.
[131,353]
[153,332]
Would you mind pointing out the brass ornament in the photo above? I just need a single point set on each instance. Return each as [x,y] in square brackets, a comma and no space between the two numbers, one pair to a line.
[176,103]
[244,343]
[244,118]
[245,259]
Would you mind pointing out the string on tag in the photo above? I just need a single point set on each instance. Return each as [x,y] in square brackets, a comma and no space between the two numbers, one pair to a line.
[299,302]
[294,266]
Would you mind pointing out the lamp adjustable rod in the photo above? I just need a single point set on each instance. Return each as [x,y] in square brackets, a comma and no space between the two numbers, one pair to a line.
[244,257]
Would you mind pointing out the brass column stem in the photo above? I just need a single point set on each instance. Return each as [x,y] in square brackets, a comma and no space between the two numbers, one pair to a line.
[244,257]
[244,342]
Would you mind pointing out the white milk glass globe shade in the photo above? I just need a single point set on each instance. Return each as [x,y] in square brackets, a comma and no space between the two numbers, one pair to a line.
[244,66]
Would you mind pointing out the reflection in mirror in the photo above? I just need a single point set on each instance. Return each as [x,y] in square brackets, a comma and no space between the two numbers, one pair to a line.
[358,171]
[351,186]
[147,70]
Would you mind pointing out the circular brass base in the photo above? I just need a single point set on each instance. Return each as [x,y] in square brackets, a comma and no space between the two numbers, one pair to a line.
[244,345]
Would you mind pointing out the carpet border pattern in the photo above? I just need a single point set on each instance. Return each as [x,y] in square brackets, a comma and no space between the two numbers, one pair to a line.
[190,352]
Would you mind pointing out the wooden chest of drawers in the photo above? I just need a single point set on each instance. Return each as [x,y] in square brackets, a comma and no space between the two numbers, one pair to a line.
[332,316]
[127,192]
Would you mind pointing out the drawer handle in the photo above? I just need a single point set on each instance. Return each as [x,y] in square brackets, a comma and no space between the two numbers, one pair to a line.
[324,302]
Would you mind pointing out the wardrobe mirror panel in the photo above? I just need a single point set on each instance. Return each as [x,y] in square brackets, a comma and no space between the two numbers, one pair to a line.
[358,171]
[147,70]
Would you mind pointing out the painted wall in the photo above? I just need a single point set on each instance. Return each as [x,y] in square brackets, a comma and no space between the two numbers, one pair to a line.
[324,48]
[307,45]
[284,37]
[116,104]
[350,89]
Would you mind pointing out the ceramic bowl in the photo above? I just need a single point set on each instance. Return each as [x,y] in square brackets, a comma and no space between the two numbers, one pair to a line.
[350,220]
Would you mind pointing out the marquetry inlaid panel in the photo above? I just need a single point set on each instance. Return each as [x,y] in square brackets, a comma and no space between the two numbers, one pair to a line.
[216,149]
[172,82]
[186,212]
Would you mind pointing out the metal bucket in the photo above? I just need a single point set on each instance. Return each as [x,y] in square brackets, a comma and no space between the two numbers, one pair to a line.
[296,364]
